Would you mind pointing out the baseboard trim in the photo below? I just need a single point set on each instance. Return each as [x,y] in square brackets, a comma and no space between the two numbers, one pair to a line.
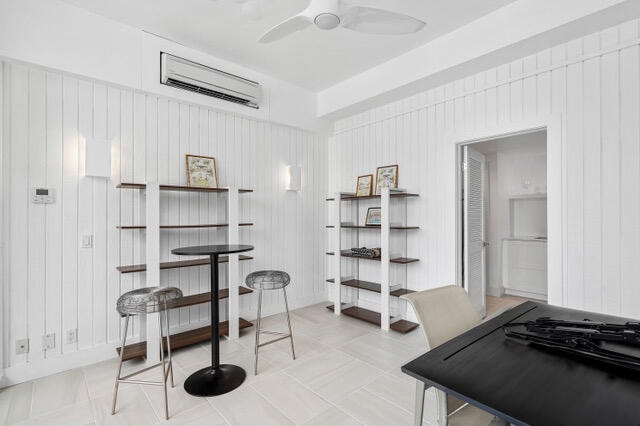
[495,291]
[45,367]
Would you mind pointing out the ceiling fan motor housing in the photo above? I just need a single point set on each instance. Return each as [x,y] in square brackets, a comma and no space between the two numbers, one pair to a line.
[326,21]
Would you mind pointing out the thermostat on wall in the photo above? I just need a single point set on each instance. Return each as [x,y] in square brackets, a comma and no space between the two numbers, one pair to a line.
[42,195]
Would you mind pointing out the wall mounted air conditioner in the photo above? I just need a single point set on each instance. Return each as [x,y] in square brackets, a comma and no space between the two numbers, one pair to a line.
[184,74]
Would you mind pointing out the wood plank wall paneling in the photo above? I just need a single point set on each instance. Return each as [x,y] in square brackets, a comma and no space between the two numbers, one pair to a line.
[55,286]
[594,83]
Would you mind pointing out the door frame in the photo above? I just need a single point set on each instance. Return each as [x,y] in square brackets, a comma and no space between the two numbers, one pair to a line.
[556,188]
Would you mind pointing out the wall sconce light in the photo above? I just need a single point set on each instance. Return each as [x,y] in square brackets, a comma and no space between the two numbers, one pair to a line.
[292,182]
[97,158]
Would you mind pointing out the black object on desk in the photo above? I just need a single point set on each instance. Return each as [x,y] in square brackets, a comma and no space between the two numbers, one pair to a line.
[528,385]
[219,378]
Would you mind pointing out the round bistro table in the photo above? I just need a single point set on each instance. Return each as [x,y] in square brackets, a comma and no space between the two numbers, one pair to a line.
[219,378]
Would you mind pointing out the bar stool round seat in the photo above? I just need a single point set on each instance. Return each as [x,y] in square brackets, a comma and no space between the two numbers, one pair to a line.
[147,300]
[143,301]
[270,280]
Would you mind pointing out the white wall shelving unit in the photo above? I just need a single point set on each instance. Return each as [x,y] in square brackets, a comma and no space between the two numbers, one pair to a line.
[150,208]
[387,260]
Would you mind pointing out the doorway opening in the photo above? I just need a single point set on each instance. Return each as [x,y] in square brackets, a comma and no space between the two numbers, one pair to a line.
[504,217]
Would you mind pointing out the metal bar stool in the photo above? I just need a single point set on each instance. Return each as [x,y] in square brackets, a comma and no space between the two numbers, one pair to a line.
[147,300]
[270,280]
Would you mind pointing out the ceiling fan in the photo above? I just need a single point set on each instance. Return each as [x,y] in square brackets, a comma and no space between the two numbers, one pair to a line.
[329,14]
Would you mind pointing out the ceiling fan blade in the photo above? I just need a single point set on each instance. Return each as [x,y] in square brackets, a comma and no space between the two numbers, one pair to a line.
[377,21]
[285,28]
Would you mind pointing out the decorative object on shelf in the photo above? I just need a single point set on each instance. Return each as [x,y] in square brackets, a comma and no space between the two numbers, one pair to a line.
[366,252]
[386,177]
[201,171]
[374,216]
[363,186]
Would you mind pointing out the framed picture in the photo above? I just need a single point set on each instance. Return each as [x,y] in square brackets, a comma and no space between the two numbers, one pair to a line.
[373,216]
[386,177]
[363,186]
[201,171]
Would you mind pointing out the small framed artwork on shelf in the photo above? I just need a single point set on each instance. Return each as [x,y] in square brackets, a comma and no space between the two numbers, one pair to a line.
[374,217]
[201,171]
[363,186]
[386,177]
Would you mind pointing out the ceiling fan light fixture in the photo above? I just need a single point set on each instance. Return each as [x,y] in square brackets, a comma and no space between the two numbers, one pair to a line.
[326,21]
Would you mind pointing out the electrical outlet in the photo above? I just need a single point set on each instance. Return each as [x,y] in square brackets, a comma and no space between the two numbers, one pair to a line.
[72,335]
[48,341]
[22,346]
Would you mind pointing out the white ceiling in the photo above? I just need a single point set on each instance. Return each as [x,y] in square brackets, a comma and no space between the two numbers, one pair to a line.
[313,59]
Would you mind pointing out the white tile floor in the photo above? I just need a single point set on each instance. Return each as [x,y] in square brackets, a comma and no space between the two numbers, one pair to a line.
[347,372]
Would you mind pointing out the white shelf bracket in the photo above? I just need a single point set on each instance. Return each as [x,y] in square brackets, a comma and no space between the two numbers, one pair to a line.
[337,290]
[234,264]
[384,258]
[152,255]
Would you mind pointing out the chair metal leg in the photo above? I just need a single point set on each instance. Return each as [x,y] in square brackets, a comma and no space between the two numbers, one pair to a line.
[124,342]
[255,370]
[166,319]
[164,370]
[286,304]
[419,403]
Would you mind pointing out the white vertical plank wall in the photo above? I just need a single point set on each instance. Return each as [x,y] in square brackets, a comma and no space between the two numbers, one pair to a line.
[3,224]
[593,84]
[53,286]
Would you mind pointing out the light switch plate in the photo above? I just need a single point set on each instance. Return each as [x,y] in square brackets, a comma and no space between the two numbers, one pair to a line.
[87,241]
[48,341]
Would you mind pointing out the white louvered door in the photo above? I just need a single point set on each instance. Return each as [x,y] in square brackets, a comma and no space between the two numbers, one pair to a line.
[474,242]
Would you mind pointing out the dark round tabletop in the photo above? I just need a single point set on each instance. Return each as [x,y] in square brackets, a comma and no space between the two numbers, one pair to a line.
[214,249]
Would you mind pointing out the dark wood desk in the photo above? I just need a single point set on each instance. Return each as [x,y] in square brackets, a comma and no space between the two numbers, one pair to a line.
[527,385]
[219,378]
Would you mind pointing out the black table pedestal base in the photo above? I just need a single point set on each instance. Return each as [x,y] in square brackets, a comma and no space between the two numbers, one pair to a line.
[212,382]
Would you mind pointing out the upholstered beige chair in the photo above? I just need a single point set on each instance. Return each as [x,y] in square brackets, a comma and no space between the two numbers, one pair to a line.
[444,313]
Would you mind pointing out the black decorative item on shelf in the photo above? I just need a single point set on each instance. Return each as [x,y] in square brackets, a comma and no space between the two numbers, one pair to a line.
[615,344]
[366,252]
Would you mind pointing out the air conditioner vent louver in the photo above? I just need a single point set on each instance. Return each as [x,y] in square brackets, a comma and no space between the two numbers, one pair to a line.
[208,92]
[187,75]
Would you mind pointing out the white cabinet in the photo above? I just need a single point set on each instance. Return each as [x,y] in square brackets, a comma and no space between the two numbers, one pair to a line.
[524,267]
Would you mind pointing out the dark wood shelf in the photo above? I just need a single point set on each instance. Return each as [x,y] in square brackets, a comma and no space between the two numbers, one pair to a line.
[180,340]
[127,269]
[371,286]
[400,260]
[183,188]
[197,299]
[219,225]
[372,197]
[378,227]
[401,326]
